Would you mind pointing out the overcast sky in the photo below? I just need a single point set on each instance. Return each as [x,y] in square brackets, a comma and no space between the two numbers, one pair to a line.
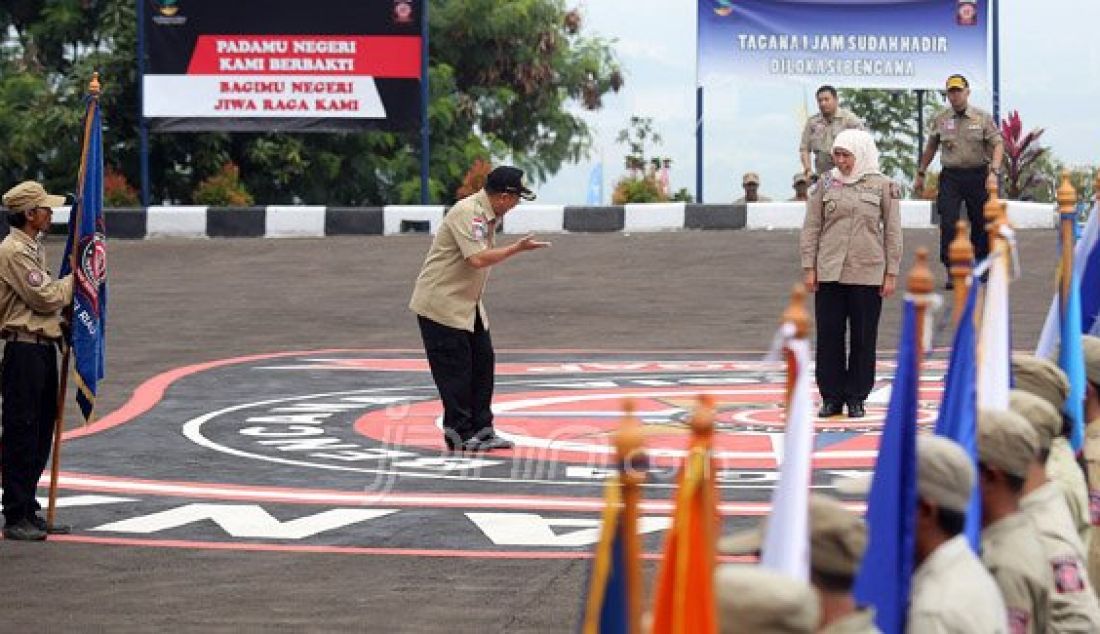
[1050,72]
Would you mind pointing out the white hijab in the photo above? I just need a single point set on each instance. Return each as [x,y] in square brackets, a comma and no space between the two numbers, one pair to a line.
[862,146]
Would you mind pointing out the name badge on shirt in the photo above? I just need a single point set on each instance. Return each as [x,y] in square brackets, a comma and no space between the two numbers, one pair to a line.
[479,228]
[949,125]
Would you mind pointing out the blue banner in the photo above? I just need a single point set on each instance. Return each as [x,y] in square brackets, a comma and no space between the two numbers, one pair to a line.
[86,258]
[905,44]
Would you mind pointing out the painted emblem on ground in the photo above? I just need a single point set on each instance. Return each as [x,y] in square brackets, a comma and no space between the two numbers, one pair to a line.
[342,450]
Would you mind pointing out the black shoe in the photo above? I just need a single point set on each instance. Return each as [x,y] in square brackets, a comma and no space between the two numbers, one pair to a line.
[949,284]
[56,529]
[830,409]
[24,531]
[487,443]
[856,410]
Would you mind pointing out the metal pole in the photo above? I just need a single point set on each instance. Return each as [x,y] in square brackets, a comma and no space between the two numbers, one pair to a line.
[996,18]
[920,125]
[143,125]
[699,144]
[425,145]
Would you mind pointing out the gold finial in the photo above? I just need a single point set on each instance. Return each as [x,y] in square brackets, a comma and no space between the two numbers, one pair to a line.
[993,209]
[796,313]
[961,250]
[920,281]
[1066,194]
[702,420]
[629,445]
[94,86]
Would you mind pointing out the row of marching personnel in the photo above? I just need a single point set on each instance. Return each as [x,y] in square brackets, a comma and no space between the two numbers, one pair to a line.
[980,525]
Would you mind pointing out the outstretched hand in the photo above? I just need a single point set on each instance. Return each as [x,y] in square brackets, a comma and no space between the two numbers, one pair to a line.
[529,243]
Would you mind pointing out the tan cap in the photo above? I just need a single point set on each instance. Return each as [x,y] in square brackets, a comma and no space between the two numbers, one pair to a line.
[750,177]
[1046,420]
[945,474]
[1041,377]
[1006,441]
[799,178]
[838,538]
[957,81]
[1091,346]
[754,599]
[28,195]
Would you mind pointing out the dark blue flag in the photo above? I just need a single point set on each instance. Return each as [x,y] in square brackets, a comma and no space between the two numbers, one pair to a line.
[958,418]
[86,258]
[885,576]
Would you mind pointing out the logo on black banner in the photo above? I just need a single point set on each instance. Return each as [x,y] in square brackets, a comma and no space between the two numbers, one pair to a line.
[168,10]
[402,11]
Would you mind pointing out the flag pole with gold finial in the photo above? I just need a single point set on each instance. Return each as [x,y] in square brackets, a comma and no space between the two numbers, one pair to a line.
[920,285]
[960,253]
[1067,218]
[799,318]
[629,445]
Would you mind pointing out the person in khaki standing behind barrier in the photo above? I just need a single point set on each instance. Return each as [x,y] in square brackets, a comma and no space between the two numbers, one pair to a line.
[1073,605]
[447,300]
[838,538]
[821,130]
[850,250]
[972,149]
[1011,550]
[761,601]
[951,590]
[750,182]
[1091,347]
[1045,379]
[30,323]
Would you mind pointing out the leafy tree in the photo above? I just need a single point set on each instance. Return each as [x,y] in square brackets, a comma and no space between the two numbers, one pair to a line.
[891,117]
[1021,151]
[504,77]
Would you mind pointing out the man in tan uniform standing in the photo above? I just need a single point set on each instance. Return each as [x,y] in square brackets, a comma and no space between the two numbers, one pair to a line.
[838,538]
[951,590]
[30,323]
[1091,346]
[750,182]
[447,300]
[820,131]
[972,149]
[1011,551]
[1073,605]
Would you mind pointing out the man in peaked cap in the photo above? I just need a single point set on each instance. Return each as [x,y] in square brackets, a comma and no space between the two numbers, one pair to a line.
[1091,348]
[1073,605]
[801,185]
[761,601]
[1045,379]
[951,590]
[838,538]
[1011,550]
[750,182]
[448,304]
[30,323]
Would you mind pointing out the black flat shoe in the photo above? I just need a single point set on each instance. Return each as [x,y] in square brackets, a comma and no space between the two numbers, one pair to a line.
[830,409]
[56,529]
[856,410]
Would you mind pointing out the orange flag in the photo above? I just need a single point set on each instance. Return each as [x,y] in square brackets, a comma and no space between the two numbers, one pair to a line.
[684,601]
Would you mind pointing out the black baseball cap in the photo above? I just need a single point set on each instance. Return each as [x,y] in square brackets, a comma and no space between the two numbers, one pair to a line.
[508,180]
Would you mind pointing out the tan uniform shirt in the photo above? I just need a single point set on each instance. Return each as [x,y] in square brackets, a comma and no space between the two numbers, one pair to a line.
[1073,602]
[1092,460]
[858,622]
[1063,469]
[759,199]
[1014,557]
[966,140]
[953,593]
[819,133]
[852,233]
[30,299]
[449,290]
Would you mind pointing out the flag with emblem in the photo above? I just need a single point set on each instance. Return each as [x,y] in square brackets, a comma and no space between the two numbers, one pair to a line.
[958,417]
[86,258]
[684,600]
[884,577]
[607,608]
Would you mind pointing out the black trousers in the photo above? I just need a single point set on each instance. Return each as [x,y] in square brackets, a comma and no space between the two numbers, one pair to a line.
[841,309]
[959,185]
[29,389]
[462,365]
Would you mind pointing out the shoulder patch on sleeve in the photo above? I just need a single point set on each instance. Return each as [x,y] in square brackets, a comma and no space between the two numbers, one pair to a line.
[1067,575]
[895,191]
[1018,621]
[35,278]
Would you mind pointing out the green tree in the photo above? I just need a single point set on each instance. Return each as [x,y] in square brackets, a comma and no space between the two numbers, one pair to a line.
[504,77]
[891,117]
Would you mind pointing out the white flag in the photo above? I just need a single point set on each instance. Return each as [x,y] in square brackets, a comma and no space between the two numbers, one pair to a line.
[994,337]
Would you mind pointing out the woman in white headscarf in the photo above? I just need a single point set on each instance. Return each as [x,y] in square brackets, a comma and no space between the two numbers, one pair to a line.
[851,251]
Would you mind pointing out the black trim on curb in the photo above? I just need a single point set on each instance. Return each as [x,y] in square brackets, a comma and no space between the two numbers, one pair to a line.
[594,219]
[236,222]
[349,221]
[698,216]
[126,223]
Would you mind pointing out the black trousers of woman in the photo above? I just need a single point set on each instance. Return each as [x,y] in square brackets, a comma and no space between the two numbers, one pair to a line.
[846,374]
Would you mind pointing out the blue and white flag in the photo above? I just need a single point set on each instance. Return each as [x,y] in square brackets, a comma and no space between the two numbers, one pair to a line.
[1086,271]
[995,335]
[86,258]
[595,185]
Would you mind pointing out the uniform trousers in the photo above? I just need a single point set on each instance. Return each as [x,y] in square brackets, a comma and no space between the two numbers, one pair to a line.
[959,185]
[29,389]
[462,365]
[842,309]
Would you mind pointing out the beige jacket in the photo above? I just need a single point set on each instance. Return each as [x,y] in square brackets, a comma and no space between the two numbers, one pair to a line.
[30,299]
[852,233]
[449,289]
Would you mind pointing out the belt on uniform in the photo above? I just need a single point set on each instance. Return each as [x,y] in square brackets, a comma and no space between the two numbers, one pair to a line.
[976,168]
[26,337]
